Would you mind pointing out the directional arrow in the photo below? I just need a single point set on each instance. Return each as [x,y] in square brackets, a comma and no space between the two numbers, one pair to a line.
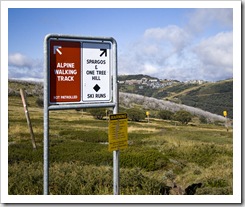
[104,51]
[57,49]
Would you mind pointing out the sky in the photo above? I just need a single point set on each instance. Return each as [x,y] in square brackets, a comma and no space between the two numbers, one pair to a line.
[167,43]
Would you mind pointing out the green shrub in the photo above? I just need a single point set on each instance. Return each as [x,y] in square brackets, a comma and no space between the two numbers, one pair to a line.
[217,182]
[136,114]
[98,113]
[86,136]
[134,182]
[75,178]
[165,114]
[144,158]
[25,178]
[214,191]
[203,120]
[24,152]
[39,102]
[202,155]
[183,116]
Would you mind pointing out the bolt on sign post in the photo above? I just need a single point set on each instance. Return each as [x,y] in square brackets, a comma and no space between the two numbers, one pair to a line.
[80,72]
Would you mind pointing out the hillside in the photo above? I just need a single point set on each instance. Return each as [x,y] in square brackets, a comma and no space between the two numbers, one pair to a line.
[149,103]
[131,77]
[160,153]
[213,97]
[31,88]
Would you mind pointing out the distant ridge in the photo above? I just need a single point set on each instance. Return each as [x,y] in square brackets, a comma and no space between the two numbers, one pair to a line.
[214,97]
[136,77]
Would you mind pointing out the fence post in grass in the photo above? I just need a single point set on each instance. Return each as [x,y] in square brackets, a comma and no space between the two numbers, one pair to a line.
[23,97]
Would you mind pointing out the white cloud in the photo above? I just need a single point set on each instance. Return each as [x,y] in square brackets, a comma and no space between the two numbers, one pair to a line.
[19,60]
[151,52]
[173,53]
[149,69]
[23,67]
[200,19]
[173,36]
[216,55]
[200,49]
[217,50]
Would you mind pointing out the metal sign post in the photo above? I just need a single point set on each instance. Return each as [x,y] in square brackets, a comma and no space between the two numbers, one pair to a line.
[80,72]
[118,139]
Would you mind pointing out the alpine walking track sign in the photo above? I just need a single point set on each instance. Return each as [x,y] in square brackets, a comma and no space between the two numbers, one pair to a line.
[80,72]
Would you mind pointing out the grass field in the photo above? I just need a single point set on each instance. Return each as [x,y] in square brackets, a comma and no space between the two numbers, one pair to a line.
[159,153]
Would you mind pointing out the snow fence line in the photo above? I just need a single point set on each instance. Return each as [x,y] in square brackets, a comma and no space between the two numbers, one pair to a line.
[129,99]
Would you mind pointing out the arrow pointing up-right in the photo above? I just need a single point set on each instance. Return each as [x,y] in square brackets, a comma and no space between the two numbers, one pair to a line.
[104,51]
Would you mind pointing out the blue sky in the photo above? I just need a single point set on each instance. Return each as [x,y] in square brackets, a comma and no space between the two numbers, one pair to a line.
[176,43]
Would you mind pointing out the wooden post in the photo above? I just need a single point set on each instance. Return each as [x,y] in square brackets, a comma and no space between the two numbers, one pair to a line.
[23,97]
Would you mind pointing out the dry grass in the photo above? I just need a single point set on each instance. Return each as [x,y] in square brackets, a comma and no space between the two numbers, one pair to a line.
[142,129]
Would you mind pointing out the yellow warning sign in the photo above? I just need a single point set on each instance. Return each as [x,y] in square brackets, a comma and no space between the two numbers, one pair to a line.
[118,131]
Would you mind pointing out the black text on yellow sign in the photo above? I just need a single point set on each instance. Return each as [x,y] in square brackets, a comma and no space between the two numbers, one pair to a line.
[118,132]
